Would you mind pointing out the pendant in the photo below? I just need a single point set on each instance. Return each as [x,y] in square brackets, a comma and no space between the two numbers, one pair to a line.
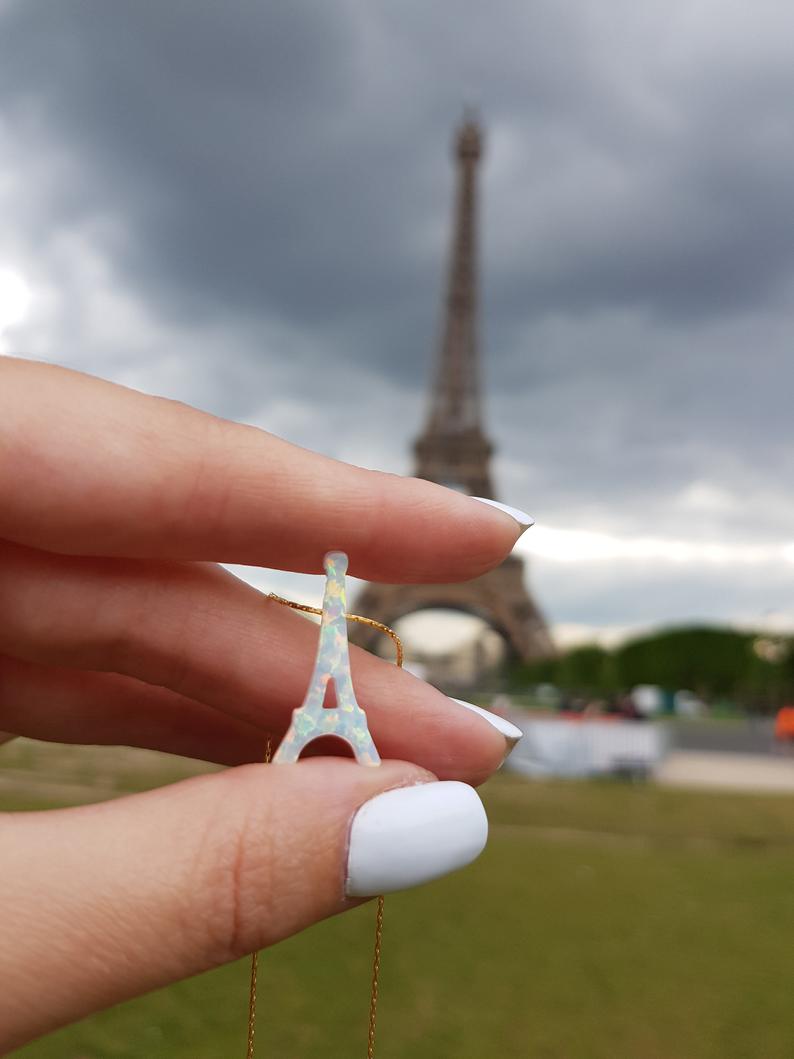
[346,720]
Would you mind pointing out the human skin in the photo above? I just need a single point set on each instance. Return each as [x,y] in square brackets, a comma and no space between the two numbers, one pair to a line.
[117,626]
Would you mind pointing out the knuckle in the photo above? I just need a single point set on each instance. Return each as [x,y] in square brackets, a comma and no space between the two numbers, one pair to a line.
[233,870]
[208,485]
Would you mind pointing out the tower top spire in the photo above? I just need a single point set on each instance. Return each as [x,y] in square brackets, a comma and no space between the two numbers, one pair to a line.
[468,139]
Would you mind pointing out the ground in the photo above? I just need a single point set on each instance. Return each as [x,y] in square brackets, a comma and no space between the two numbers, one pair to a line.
[604,921]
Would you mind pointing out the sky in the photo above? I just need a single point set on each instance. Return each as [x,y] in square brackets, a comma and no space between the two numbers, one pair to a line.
[220,202]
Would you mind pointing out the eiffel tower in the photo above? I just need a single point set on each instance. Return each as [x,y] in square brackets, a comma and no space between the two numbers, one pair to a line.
[454,451]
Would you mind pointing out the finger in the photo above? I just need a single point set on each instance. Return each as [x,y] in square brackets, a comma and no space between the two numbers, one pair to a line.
[61,705]
[87,467]
[236,862]
[201,632]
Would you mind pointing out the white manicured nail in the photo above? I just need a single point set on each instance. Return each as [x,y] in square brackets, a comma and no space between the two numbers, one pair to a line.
[510,731]
[411,835]
[522,518]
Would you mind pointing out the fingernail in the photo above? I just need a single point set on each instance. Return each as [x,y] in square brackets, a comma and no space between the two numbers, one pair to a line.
[411,835]
[522,518]
[511,732]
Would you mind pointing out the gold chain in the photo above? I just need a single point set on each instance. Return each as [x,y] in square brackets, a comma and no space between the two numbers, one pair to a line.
[373,996]
[254,964]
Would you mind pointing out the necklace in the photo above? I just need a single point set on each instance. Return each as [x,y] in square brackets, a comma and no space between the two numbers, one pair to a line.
[346,720]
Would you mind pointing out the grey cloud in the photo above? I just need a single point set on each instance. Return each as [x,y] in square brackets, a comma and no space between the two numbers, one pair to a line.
[285,158]
[271,185]
[651,594]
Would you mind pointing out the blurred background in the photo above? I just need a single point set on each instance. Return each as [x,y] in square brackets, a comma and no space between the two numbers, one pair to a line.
[538,252]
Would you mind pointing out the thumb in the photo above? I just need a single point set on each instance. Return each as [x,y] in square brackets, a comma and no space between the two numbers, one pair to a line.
[104,902]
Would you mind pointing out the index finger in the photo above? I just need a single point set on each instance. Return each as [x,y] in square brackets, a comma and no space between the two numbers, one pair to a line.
[88,467]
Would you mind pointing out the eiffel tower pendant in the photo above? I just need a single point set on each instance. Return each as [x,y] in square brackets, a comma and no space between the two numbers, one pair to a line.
[346,719]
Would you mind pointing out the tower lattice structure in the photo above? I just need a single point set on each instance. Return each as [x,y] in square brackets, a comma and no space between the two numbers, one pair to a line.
[454,450]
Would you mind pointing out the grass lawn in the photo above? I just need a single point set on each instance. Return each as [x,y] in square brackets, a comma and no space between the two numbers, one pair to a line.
[603,922]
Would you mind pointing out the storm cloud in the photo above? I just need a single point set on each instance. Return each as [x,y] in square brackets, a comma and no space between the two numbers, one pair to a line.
[219,201]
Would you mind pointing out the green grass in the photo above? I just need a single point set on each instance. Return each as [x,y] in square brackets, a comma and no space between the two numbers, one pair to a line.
[603,922]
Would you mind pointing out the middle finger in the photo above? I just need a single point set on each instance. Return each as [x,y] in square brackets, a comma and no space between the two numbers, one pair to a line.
[198,630]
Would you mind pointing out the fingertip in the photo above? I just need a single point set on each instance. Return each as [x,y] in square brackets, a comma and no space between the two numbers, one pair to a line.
[409,836]
[417,531]
[524,520]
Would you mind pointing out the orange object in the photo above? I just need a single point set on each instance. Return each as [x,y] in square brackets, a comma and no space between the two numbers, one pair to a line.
[784,723]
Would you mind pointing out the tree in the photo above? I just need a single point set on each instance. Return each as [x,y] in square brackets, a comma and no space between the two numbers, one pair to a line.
[755,670]
[587,669]
[709,661]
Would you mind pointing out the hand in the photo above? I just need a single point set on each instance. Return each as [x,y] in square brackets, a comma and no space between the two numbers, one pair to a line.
[117,627]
